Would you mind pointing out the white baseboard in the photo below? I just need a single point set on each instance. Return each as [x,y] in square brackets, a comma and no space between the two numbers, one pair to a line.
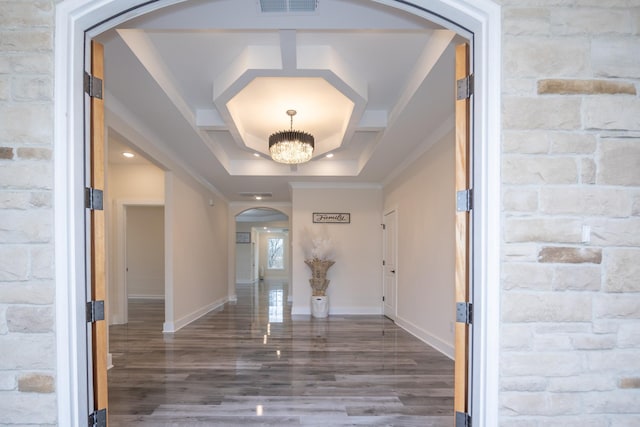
[443,347]
[358,311]
[154,297]
[341,311]
[296,311]
[116,319]
[171,327]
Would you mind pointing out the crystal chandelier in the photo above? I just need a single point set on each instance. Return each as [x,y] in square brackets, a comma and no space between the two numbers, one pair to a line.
[291,146]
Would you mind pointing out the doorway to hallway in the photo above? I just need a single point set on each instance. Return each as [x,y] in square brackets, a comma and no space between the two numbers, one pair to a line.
[69,50]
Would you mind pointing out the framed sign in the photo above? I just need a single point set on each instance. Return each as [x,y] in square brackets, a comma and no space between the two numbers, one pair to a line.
[331,218]
[243,237]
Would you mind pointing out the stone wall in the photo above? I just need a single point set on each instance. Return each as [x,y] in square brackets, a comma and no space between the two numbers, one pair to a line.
[27,340]
[570,336]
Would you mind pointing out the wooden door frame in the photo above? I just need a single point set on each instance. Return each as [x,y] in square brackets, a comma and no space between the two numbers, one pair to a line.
[476,20]
[96,288]
[463,223]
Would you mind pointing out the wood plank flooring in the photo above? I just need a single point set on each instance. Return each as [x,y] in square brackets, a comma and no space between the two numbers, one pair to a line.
[251,364]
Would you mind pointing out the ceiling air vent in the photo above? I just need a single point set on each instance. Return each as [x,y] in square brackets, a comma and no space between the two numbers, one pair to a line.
[288,5]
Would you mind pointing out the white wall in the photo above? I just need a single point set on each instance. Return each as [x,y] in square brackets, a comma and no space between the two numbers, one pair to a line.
[144,182]
[356,277]
[145,252]
[196,260]
[424,197]
[126,184]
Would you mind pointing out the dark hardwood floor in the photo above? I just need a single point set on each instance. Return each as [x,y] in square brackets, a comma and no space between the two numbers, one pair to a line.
[251,364]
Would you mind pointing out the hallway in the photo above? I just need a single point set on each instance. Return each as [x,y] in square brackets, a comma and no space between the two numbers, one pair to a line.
[250,363]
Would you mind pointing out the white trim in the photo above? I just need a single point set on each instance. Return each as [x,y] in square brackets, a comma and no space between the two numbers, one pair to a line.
[71,342]
[387,211]
[239,207]
[441,345]
[171,327]
[479,20]
[339,311]
[146,297]
[356,311]
[168,246]
[337,185]
[300,311]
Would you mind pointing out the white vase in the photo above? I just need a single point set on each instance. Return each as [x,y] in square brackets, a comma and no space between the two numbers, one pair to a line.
[320,306]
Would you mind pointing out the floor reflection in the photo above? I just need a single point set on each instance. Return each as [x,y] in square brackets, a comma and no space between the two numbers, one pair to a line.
[276,305]
[250,364]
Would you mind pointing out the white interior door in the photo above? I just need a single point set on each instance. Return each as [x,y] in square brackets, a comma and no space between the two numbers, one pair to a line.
[390,264]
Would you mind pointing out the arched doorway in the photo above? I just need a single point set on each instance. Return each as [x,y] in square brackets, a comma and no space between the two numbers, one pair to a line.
[262,243]
[478,20]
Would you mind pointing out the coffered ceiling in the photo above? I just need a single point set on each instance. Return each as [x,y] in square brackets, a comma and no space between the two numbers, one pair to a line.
[207,82]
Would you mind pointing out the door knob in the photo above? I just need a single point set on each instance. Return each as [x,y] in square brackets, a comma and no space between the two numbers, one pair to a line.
[393,271]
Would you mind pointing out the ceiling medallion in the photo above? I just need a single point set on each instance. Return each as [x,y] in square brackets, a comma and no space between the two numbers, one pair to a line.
[291,146]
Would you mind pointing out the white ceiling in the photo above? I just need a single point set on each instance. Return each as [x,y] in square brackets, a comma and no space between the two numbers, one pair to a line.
[208,81]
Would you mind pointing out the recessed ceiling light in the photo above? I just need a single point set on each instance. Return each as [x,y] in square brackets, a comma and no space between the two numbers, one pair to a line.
[258,197]
[128,154]
[256,155]
[254,194]
[330,155]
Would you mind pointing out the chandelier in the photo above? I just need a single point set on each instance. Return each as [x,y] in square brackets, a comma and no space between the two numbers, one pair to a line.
[291,146]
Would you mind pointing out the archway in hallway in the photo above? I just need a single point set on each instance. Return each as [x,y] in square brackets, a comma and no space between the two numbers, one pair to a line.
[262,245]
[480,20]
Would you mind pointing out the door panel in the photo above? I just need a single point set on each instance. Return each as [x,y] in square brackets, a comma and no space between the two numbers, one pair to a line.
[144,247]
[97,236]
[462,272]
[390,267]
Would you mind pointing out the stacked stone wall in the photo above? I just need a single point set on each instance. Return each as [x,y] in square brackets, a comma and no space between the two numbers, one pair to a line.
[570,335]
[27,338]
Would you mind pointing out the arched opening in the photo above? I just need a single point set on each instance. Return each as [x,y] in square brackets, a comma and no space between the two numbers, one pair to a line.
[480,19]
[262,246]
